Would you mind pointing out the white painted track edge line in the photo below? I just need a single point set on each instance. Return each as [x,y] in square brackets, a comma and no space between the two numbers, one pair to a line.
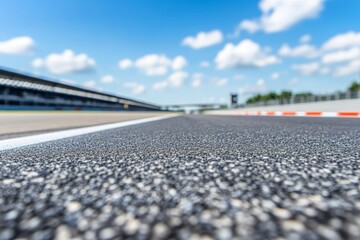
[12,143]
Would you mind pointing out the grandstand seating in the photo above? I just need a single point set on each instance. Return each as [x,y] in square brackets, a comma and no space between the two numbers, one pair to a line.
[24,91]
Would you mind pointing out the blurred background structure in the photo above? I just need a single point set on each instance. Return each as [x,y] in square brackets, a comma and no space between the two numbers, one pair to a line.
[288,97]
[20,91]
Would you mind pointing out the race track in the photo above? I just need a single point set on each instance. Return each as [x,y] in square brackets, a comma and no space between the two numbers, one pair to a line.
[188,177]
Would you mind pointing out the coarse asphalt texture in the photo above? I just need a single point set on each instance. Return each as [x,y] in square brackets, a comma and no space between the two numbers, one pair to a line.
[188,177]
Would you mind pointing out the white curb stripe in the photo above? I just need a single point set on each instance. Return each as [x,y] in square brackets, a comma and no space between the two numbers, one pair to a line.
[46,137]
[329,114]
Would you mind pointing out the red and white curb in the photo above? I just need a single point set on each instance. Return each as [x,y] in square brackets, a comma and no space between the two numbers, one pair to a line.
[289,114]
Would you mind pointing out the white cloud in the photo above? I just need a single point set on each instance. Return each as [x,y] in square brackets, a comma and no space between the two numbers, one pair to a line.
[18,46]
[179,63]
[341,47]
[279,15]
[341,55]
[307,68]
[251,26]
[155,64]
[312,68]
[160,85]
[136,88]
[107,79]
[125,63]
[344,40]
[175,80]
[304,50]
[89,84]
[275,75]
[37,63]
[350,68]
[204,64]
[221,82]
[305,38]
[246,54]
[196,80]
[66,62]
[203,39]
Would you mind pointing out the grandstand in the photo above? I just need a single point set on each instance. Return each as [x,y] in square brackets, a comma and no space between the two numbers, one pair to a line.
[19,91]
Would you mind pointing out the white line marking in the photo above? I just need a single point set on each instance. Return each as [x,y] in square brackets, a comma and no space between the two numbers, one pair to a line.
[301,114]
[46,137]
[329,114]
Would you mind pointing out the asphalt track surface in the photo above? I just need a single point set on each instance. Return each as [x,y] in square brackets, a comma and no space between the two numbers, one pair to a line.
[188,177]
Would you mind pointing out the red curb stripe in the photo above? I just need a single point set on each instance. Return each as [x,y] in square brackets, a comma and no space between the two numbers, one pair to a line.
[313,113]
[270,113]
[289,113]
[348,114]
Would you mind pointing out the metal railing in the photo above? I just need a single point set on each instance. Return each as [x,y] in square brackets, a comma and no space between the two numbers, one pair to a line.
[306,99]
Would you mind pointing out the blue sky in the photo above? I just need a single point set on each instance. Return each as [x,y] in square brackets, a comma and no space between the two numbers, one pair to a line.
[170,52]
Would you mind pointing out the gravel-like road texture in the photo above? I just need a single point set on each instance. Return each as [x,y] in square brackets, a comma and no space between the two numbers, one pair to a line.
[189,177]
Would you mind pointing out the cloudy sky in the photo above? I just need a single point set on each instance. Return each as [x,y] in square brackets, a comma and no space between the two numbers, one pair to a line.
[185,51]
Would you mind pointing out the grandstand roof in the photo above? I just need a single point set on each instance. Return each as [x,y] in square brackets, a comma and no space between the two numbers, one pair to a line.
[20,79]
